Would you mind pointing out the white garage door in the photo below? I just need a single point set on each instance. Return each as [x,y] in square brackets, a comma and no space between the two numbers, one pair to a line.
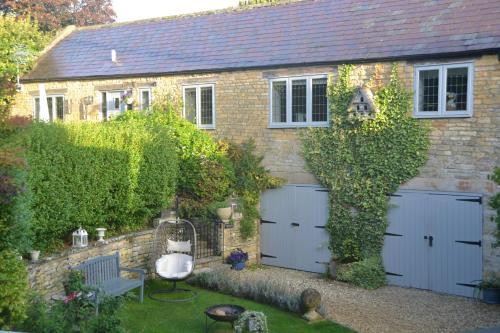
[293,233]
[434,241]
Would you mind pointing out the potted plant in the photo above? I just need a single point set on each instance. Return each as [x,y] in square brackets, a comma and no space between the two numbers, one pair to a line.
[34,255]
[223,210]
[237,259]
[490,290]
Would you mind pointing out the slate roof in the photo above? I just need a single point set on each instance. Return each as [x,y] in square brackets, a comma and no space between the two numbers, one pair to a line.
[307,32]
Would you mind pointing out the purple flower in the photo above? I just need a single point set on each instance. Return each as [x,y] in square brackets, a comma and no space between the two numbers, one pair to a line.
[237,256]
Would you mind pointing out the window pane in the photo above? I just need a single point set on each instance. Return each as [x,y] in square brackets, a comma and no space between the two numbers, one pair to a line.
[456,89]
[279,102]
[319,101]
[145,99]
[37,108]
[206,106]
[60,107]
[190,105]
[428,90]
[116,103]
[49,104]
[299,101]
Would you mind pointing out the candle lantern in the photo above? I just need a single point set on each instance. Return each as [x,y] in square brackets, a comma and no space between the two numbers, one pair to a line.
[80,238]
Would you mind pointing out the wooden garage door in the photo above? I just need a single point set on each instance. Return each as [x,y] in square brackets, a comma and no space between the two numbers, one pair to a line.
[293,234]
[434,241]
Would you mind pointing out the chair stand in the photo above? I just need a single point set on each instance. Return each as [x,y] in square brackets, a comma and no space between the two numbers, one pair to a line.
[174,290]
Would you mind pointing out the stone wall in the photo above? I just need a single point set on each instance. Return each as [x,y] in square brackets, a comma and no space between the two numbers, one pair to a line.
[47,275]
[464,150]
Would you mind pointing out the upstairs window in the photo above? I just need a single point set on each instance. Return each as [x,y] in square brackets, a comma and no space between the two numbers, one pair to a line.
[55,105]
[444,90]
[144,98]
[299,102]
[199,105]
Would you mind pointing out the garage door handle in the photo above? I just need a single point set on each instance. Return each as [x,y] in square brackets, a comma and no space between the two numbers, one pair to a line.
[295,224]
[430,238]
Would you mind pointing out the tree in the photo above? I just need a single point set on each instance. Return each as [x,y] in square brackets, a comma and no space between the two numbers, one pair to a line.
[20,41]
[55,14]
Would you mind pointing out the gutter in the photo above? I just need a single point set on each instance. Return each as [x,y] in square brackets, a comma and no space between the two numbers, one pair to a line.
[416,57]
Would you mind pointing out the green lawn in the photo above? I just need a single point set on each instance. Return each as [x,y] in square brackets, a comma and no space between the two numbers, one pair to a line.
[152,316]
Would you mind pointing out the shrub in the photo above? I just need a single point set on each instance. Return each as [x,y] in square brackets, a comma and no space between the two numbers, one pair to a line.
[495,204]
[76,313]
[205,173]
[251,179]
[112,174]
[278,293]
[368,273]
[14,198]
[13,289]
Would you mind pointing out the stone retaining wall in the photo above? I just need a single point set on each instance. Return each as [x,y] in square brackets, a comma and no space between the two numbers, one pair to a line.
[47,275]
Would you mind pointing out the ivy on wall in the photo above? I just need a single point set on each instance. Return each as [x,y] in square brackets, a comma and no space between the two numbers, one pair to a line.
[361,161]
[495,204]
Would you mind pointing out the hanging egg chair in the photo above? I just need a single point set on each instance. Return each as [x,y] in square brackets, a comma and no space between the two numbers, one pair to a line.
[173,258]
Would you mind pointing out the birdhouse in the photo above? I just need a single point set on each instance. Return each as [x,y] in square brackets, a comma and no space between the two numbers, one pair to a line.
[362,104]
[80,238]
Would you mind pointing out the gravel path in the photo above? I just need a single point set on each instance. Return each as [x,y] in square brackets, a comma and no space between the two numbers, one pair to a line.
[387,309]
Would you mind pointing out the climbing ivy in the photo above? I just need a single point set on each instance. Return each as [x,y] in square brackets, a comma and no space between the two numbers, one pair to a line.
[361,161]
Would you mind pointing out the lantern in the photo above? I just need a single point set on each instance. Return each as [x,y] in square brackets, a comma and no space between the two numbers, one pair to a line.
[80,238]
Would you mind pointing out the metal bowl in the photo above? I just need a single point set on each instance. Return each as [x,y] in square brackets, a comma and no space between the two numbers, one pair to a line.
[231,312]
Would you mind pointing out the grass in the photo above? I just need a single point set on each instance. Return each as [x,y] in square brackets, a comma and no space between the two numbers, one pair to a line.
[188,317]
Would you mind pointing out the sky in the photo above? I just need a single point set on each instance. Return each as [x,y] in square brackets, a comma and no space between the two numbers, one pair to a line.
[130,10]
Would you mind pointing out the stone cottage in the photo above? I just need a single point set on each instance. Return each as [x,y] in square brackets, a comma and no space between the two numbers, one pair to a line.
[262,73]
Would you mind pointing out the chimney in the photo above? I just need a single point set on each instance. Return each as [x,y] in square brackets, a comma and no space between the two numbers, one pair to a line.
[113,55]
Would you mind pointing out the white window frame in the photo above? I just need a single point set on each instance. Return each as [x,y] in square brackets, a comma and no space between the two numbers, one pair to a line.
[122,105]
[141,90]
[289,123]
[54,109]
[443,73]
[198,104]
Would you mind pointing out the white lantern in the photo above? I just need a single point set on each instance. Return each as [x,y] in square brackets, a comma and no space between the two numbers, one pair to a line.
[80,238]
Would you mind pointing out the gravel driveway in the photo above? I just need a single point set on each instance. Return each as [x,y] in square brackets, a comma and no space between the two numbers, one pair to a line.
[387,309]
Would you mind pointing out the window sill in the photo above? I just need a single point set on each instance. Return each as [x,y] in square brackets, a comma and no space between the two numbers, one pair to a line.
[439,116]
[283,126]
[209,128]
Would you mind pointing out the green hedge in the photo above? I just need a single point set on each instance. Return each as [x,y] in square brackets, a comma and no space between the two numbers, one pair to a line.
[205,172]
[114,175]
[13,289]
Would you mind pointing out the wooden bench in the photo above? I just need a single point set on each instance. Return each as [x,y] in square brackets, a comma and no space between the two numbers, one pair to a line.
[104,273]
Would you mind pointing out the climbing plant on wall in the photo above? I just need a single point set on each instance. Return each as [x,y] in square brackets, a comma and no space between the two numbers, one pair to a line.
[361,160]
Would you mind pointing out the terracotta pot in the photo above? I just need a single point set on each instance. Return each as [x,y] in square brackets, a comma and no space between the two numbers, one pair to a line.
[224,213]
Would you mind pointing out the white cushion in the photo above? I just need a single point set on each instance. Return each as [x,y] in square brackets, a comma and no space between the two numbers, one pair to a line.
[174,266]
[173,246]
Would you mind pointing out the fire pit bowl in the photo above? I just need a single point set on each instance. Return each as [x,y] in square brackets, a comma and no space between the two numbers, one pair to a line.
[224,312]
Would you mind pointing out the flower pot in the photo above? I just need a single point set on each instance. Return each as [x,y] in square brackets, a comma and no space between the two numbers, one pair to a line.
[239,266]
[224,213]
[491,295]
[34,255]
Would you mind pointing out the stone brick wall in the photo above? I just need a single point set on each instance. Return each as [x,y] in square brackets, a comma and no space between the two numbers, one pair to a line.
[464,150]
[47,275]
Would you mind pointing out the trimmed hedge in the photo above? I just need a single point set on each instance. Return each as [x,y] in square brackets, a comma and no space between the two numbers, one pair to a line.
[206,174]
[114,174]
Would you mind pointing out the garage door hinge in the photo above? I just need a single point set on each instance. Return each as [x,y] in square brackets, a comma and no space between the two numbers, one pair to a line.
[262,255]
[478,200]
[393,274]
[320,226]
[393,195]
[322,262]
[322,190]
[391,234]
[478,243]
[265,221]
[467,285]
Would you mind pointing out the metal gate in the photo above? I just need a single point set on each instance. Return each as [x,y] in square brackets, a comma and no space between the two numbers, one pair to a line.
[434,241]
[293,233]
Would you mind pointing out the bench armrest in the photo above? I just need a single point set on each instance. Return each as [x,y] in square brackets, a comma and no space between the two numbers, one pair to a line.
[141,271]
